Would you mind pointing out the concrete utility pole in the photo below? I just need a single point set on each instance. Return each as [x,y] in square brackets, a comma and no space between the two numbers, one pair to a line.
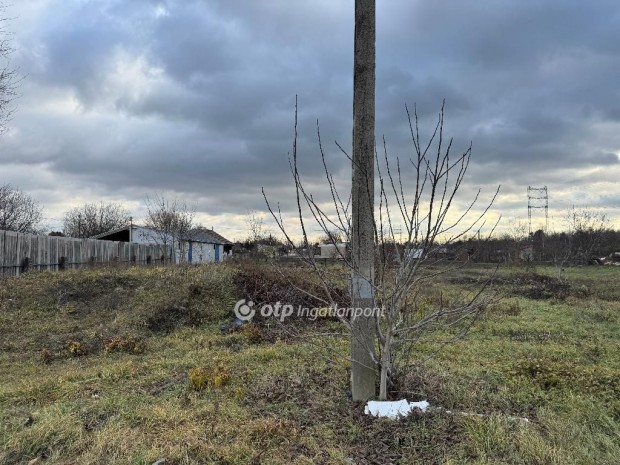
[363,372]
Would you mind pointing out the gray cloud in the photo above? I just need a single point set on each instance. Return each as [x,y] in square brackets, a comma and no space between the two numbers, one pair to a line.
[124,98]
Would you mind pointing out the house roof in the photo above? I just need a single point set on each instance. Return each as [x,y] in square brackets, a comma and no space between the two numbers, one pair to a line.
[207,235]
[108,233]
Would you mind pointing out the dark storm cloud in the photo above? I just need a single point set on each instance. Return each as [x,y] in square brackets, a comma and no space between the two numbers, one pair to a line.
[197,97]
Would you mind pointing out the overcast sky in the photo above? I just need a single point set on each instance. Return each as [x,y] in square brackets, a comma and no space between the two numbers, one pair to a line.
[123,98]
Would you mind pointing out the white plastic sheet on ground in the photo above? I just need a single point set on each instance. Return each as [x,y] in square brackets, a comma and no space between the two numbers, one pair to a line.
[393,409]
[402,408]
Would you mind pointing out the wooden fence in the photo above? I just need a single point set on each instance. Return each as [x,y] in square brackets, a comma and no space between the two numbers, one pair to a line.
[22,252]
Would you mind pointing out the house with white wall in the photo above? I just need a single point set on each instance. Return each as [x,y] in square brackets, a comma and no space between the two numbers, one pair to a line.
[334,250]
[199,245]
[205,245]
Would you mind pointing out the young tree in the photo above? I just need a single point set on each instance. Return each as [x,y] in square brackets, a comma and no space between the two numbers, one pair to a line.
[92,219]
[416,199]
[423,213]
[18,211]
[171,222]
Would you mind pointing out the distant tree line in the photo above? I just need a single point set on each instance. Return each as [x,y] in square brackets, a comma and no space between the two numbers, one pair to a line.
[92,219]
[562,248]
[587,235]
[22,213]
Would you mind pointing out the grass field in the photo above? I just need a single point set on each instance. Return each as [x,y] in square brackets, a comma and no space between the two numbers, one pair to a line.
[128,366]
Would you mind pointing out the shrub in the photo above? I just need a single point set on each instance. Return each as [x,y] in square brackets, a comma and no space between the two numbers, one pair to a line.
[127,344]
[264,284]
[77,348]
[540,287]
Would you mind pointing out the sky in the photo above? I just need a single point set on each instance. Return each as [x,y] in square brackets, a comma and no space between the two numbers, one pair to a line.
[195,98]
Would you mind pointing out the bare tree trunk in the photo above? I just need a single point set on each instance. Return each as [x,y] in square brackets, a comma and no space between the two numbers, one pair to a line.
[363,370]
[386,366]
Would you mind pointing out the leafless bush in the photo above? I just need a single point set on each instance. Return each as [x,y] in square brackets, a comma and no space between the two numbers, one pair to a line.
[170,220]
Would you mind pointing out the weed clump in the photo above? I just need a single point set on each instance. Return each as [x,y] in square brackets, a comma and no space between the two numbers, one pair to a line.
[167,319]
[252,333]
[200,378]
[126,344]
[221,376]
[507,308]
[77,349]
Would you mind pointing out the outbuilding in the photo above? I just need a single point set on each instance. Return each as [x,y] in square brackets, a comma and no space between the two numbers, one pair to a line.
[199,245]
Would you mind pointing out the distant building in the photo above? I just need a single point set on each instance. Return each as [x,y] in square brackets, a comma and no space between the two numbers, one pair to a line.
[336,250]
[197,246]
[435,253]
[415,254]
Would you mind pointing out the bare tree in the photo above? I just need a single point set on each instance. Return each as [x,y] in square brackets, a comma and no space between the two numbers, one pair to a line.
[515,239]
[416,198]
[376,340]
[255,225]
[171,222]
[18,211]
[585,229]
[518,230]
[9,76]
[332,236]
[92,219]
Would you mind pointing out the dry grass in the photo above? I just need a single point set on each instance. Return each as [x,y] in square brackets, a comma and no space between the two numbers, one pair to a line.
[192,395]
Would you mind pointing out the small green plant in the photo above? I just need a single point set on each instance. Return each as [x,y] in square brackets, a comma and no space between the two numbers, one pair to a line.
[201,378]
[221,375]
[198,379]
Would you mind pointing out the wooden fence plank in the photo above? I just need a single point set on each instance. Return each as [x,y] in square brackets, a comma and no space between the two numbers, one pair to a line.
[46,252]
